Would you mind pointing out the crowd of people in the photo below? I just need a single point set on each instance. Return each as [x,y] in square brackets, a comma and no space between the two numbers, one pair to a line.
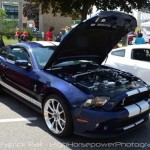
[60,36]
[49,36]
[22,36]
[135,38]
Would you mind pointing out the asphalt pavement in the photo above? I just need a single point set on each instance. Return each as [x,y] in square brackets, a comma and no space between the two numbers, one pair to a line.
[22,128]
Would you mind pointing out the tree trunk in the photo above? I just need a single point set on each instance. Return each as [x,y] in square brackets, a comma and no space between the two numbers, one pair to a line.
[83,15]
[125,40]
[84,11]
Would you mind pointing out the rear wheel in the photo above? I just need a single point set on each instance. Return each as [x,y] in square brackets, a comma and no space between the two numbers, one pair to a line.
[57,116]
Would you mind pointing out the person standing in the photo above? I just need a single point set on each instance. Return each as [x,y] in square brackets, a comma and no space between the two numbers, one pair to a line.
[49,34]
[140,39]
[18,34]
[65,32]
[24,37]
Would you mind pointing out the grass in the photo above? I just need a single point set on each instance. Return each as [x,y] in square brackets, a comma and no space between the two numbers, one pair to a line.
[12,41]
[9,41]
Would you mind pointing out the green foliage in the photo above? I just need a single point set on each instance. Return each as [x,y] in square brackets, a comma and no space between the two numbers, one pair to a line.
[2,14]
[2,17]
[8,28]
[83,7]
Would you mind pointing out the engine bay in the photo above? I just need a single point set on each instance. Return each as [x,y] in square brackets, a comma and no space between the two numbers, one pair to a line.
[98,80]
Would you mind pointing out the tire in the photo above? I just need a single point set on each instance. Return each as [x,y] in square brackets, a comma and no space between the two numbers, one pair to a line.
[57,116]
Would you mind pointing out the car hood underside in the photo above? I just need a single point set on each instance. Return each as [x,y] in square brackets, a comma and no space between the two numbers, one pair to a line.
[95,36]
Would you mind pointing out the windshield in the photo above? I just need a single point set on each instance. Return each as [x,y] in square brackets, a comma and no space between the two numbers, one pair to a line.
[73,63]
[42,55]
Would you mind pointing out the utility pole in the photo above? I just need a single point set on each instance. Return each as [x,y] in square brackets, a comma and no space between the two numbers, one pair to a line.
[138,18]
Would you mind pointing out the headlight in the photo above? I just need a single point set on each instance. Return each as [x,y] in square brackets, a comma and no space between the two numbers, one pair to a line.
[98,101]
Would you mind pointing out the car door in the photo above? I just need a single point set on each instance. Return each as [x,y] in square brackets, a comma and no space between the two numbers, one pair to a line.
[140,63]
[118,59]
[19,79]
[3,56]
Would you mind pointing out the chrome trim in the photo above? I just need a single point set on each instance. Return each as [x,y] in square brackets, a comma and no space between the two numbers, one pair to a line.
[33,101]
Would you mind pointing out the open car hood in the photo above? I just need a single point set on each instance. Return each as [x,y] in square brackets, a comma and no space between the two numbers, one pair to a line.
[94,37]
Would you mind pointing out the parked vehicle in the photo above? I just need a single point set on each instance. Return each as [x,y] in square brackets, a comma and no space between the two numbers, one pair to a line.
[70,87]
[134,59]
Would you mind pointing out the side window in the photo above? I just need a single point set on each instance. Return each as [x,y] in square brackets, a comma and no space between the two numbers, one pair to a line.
[141,54]
[120,53]
[17,53]
[3,52]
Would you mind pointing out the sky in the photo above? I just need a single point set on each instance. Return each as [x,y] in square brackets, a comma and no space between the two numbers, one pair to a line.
[144,16]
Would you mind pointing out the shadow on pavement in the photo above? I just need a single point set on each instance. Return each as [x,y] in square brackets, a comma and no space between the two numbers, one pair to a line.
[138,138]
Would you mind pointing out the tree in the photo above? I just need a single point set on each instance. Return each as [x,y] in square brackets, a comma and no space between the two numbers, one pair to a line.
[2,14]
[84,7]
[2,17]
[31,11]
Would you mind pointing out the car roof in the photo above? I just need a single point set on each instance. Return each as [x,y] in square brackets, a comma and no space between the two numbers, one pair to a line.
[133,46]
[46,43]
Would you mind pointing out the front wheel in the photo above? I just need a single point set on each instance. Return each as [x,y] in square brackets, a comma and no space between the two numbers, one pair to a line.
[57,116]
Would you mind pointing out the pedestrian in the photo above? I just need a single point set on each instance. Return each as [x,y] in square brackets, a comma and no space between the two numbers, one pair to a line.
[65,32]
[18,34]
[140,39]
[24,37]
[49,34]
[67,29]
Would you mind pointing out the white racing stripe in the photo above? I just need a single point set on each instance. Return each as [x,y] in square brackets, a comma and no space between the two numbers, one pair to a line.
[133,110]
[143,89]
[133,92]
[132,125]
[128,127]
[18,120]
[140,121]
[143,105]
[33,101]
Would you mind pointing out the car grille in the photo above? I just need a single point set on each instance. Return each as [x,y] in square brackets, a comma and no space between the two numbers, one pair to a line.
[132,100]
[124,122]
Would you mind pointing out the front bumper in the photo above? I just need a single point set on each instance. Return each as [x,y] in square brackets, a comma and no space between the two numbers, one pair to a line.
[110,123]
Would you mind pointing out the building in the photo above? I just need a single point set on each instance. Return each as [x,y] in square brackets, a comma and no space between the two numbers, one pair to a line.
[14,10]
[11,9]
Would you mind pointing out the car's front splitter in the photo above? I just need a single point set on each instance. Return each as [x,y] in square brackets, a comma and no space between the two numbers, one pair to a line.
[109,123]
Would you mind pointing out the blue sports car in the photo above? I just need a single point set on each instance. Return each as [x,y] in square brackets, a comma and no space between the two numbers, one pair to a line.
[68,85]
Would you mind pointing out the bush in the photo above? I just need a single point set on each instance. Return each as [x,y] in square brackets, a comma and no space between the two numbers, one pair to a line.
[9,28]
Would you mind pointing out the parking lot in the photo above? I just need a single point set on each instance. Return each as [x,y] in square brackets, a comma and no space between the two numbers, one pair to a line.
[23,128]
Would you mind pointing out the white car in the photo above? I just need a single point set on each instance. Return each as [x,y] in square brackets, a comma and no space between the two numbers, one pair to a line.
[133,58]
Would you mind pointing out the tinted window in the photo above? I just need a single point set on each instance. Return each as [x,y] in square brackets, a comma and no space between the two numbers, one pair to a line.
[120,53]
[17,53]
[141,54]
[3,52]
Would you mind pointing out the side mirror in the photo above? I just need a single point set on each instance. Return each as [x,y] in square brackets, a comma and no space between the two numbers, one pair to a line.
[23,63]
